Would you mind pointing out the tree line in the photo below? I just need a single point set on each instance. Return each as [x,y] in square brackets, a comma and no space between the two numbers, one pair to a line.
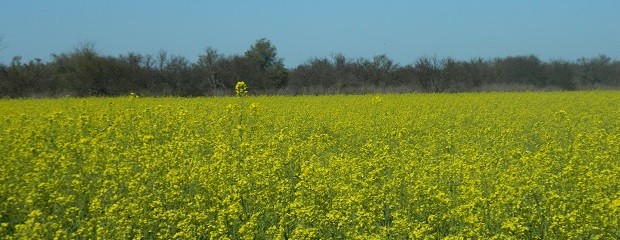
[85,72]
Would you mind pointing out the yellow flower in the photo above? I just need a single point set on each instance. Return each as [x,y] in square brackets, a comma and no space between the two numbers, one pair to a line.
[241,89]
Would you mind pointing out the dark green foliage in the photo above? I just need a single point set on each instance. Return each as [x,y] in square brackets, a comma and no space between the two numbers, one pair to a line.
[85,72]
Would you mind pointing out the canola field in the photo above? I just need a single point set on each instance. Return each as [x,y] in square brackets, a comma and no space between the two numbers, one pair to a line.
[402,166]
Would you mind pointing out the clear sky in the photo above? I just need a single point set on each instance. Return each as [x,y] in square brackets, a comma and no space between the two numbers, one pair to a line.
[403,30]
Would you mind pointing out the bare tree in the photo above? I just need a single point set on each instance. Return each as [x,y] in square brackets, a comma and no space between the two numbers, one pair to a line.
[596,70]
[176,74]
[428,72]
[162,59]
[453,74]
[149,62]
[209,65]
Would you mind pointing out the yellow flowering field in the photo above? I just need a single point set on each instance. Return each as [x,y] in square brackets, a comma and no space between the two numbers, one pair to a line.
[402,166]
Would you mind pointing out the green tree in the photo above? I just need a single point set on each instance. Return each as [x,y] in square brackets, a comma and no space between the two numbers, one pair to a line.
[265,56]
[264,53]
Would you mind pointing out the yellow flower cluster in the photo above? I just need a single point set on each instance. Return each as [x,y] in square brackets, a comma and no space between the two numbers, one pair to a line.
[241,89]
[415,166]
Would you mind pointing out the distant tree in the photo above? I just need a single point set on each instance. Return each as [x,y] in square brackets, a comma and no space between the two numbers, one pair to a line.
[478,72]
[341,74]
[161,60]
[209,68]
[26,79]
[12,84]
[149,62]
[137,71]
[520,70]
[428,73]
[345,71]
[561,73]
[84,72]
[596,71]
[132,59]
[76,71]
[382,71]
[616,73]
[406,77]
[5,81]
[240,68]
[176,76]
[313,74]
[340,60]
[453,74]
[264,54]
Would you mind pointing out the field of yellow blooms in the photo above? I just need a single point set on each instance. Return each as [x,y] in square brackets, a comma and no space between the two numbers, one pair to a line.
[403,166]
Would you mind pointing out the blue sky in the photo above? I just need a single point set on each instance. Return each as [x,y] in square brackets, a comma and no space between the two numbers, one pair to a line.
[403,30]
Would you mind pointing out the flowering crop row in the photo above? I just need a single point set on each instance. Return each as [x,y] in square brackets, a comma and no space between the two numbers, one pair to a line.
[410,166]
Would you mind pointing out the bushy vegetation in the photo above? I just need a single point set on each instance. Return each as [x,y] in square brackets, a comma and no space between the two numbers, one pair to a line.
[409,166]
[85,72]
